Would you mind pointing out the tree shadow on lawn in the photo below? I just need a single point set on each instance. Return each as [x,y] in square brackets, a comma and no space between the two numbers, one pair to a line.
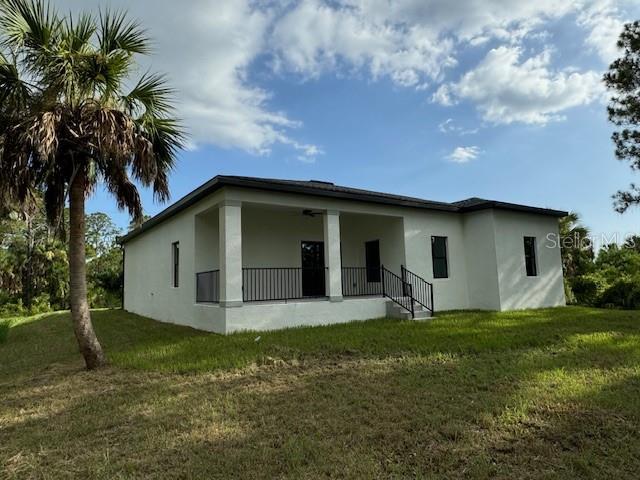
[501,415]
[449,334]
[138,342]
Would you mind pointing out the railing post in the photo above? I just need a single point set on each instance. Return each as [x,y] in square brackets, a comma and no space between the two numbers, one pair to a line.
[413,315]
[403,276]
[384,290]
[431,296]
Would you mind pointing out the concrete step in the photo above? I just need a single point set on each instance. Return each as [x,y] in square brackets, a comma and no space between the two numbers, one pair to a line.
[396,311]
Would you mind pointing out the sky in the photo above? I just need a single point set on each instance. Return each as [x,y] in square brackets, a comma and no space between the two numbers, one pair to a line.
[438,99]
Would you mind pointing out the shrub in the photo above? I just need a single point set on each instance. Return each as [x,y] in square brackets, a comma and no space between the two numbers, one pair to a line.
[15,309]
[102,298]
[568,293]
[4,330]
[624,293]
[587,289]
[40,304]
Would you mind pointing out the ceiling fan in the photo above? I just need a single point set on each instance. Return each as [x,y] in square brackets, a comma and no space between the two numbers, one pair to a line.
[311,213]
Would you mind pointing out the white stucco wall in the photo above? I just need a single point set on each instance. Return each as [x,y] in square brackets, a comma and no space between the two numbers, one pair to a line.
[148,286]
[420,226]
[275,315]
[480,260]
[206,241]
[518,291]
[357,229]
[272,237]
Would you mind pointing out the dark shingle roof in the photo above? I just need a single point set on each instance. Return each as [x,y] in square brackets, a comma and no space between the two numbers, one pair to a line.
[470,202]
[328,189]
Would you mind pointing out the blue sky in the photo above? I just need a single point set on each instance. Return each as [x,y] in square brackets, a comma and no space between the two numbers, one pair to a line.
[436,99]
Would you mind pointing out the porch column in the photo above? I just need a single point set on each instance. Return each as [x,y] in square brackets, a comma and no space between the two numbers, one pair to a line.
[331,221]
[230,252]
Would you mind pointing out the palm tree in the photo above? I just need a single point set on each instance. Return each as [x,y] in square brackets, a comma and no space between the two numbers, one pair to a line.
[576,246]
[67,123]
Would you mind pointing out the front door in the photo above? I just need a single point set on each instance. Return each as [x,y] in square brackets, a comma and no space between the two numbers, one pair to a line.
[313,280]
[372,256]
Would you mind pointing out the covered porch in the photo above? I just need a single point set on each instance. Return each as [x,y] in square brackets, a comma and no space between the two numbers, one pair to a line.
[251,252]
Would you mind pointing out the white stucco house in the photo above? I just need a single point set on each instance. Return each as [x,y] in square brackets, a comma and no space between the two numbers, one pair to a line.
[243,253]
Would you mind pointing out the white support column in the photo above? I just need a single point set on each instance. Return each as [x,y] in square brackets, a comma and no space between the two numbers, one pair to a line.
[230,251]
[331,221]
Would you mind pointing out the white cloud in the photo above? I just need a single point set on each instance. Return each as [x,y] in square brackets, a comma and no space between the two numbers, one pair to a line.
[416,42]
[207,49]
[410,41]
[450,126]
[466,20]
[443,96]
[506,89]
[307,153]
[604,24]
[464,154]
[314,37]
[446,126]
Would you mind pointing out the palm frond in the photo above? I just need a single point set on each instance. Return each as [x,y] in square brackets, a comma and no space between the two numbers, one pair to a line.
[123,190]
[116,32]
[54,200]
[78,34]
[27,23]
[43,134]
[151,95]
[167,137]
[19,171]
[103,75]
[14,93]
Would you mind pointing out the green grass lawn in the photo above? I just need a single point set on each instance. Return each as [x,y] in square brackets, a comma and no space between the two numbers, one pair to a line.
[537,394]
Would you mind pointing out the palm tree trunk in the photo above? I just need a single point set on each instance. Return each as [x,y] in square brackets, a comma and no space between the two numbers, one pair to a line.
[27,270]
[86,337]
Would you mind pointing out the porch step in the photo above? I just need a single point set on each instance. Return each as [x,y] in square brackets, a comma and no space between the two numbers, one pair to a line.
[396,311]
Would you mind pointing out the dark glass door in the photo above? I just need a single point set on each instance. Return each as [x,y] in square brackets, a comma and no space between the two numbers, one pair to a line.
[313,281]
[372,259]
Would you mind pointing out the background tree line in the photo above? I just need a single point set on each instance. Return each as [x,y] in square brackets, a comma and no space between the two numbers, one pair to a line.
[607,278]
[34,267]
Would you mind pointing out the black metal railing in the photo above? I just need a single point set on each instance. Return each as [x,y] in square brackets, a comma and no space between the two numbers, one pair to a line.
[397,290]
[282,283]
[361,281]
[422,291]
[208,287]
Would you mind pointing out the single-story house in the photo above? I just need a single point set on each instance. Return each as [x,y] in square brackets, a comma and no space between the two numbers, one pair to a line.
[243,253]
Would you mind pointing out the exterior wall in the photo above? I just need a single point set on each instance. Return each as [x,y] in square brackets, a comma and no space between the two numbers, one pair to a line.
[272,316]
[207,242]
[147,273]
[357,229]
[420,226]
[272,237]
[518,291]
[481,260]
[485,254]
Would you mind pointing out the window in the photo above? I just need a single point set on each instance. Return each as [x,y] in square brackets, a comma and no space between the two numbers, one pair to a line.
[439,257]
[372,259]
[175,268]
[530,256]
